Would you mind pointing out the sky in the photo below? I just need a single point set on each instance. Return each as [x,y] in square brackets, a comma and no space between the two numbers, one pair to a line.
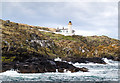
[88,17]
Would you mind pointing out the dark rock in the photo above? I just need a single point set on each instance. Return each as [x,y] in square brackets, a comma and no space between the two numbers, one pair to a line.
[70,67]
[117,59]
[86,60]
[51,62]
[27,63]
[61,70]
[109,57]
[84,69]
[40,65]
[64,65]
[6,67]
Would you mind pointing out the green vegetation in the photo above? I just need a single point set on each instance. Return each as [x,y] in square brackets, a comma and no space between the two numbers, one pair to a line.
[8,59]
[21,40]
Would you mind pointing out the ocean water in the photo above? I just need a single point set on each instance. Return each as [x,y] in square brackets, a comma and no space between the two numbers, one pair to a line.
[97,72]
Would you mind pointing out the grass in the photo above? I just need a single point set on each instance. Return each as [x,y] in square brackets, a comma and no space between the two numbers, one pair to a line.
[16,36]
[8,59]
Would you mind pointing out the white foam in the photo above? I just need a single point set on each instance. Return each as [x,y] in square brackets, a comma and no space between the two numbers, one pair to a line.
[58,59]
[80,64]
[105,71]
[10,73]
[110,62]
[56,70]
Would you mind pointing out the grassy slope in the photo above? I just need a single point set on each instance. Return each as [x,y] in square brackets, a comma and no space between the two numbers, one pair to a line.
[16,41]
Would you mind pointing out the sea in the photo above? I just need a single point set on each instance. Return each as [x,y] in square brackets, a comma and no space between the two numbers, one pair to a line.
[97,72]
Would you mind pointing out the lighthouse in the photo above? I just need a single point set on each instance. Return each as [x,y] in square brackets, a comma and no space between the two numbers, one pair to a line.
[70,27]
[66,31]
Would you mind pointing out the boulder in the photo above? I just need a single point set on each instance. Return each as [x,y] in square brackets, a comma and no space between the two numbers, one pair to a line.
[41,65]
[70,67]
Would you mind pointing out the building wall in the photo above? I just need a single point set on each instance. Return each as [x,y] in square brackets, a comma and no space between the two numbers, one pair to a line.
[64,31]
[70,29]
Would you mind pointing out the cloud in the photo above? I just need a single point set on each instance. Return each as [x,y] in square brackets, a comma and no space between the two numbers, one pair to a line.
[88,18]
[60,0]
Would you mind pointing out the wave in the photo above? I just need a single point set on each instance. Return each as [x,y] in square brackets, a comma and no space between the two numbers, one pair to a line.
[57,59]
[100,72]
[85,76]
[110,62]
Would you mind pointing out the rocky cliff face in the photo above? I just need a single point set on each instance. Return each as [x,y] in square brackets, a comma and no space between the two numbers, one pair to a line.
[21,40]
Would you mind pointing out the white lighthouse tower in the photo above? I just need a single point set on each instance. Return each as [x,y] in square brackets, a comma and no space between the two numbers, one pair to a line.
[70,27]
[66,31]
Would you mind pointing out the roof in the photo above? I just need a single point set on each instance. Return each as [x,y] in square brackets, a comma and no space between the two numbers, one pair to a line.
[61,29]
[70,23]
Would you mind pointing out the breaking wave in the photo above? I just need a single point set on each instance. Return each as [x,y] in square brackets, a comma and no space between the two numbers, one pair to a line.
[97,72]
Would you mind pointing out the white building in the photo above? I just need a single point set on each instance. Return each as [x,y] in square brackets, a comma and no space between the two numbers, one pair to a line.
[66,31]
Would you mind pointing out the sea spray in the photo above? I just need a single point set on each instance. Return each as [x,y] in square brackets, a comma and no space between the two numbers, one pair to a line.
[57,59]
[97,72]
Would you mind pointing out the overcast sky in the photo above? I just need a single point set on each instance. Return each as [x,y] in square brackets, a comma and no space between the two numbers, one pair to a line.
[88,18]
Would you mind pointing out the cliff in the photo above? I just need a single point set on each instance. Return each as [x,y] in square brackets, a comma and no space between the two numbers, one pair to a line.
[21,40]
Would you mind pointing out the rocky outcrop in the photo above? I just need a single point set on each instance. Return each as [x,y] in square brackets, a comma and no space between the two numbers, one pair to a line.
[69,67]
[40,65]
[22,43]
[85,60]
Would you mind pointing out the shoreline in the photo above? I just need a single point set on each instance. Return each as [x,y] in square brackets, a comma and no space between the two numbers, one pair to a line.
[43,65]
